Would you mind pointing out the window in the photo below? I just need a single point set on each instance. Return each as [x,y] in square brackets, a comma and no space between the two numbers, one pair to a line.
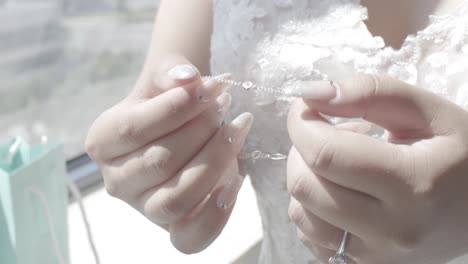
[62,62]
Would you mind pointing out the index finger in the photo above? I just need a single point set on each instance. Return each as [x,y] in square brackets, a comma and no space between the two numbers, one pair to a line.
[130,126]
[172,71]
[352,160]
[404,110]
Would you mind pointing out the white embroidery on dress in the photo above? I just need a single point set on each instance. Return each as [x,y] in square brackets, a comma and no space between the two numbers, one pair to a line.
[277,42]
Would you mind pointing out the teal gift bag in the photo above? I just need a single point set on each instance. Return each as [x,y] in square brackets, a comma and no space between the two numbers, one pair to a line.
[33,204]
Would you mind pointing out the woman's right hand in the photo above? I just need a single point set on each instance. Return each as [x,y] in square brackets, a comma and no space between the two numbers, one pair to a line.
[166,151]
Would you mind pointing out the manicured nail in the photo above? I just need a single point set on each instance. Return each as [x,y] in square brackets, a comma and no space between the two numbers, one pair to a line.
[228,195]
[223,102]
[357,127]
[238,128]
[183,72]
[211,88]
[315,90]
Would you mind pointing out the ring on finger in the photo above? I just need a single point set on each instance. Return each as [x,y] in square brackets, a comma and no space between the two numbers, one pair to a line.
[339,257]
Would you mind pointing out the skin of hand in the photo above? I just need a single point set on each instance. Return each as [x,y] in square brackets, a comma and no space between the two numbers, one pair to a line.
[166,151]
[403,199]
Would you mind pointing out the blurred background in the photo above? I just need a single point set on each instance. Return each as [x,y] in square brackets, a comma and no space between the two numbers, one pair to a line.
[62,62]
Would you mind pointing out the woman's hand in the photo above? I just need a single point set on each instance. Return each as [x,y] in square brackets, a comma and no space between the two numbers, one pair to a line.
[405,199]
[164,150]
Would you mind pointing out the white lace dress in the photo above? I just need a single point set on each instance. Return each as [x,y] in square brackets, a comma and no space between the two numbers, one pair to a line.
[275,42]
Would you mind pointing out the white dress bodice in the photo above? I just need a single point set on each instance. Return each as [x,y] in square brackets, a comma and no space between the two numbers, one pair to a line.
[276,42]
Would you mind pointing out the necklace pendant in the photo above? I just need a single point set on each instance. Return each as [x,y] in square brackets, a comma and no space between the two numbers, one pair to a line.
[278,156]
[258,155]
[248,85]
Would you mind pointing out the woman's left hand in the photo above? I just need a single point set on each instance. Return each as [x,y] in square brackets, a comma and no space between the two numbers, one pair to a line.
[403,199]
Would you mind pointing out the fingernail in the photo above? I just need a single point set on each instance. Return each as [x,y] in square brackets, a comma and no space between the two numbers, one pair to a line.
[223,102]
[228,195]
[357,127]
[183,72]
[238,128]
[363,127]
[316,90]
[211,88]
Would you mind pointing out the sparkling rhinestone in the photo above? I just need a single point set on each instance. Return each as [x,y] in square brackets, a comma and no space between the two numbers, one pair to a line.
[248,85]
[278,156]
[338,259]
[256,155]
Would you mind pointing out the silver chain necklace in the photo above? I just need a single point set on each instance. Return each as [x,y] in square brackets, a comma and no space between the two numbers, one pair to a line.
[247,85]
[252,87]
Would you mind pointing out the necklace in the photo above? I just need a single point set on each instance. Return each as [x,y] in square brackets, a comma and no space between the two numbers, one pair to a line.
[258,155]
[252,87]
[247,85]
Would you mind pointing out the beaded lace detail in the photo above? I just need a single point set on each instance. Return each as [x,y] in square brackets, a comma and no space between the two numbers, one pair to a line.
[275,43]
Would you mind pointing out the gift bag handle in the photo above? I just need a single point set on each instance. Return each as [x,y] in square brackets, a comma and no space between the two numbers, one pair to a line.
[12,152]
[53,236]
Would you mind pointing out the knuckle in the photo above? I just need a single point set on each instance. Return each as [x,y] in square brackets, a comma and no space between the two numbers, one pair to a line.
[115,181]
[91,142]
[178,101]
[399,169]
[296,108]
[303,238]
[165,209]
[324,156]
[155,162]
[431,174]
[370,83]
[421,191]
[296,213]
[113,188]
[297,187]
[173,105]
[211,119]
[126,128]
[91,147]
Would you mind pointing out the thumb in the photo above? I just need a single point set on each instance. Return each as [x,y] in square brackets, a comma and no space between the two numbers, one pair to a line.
[170,71]
[404,110]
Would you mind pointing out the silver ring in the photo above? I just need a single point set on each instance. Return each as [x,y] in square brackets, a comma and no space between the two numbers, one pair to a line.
[339,257]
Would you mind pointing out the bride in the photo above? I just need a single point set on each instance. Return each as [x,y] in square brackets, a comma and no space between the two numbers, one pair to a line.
[376,137]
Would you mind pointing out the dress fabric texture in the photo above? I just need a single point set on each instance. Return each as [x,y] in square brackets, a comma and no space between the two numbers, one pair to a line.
[278,42]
